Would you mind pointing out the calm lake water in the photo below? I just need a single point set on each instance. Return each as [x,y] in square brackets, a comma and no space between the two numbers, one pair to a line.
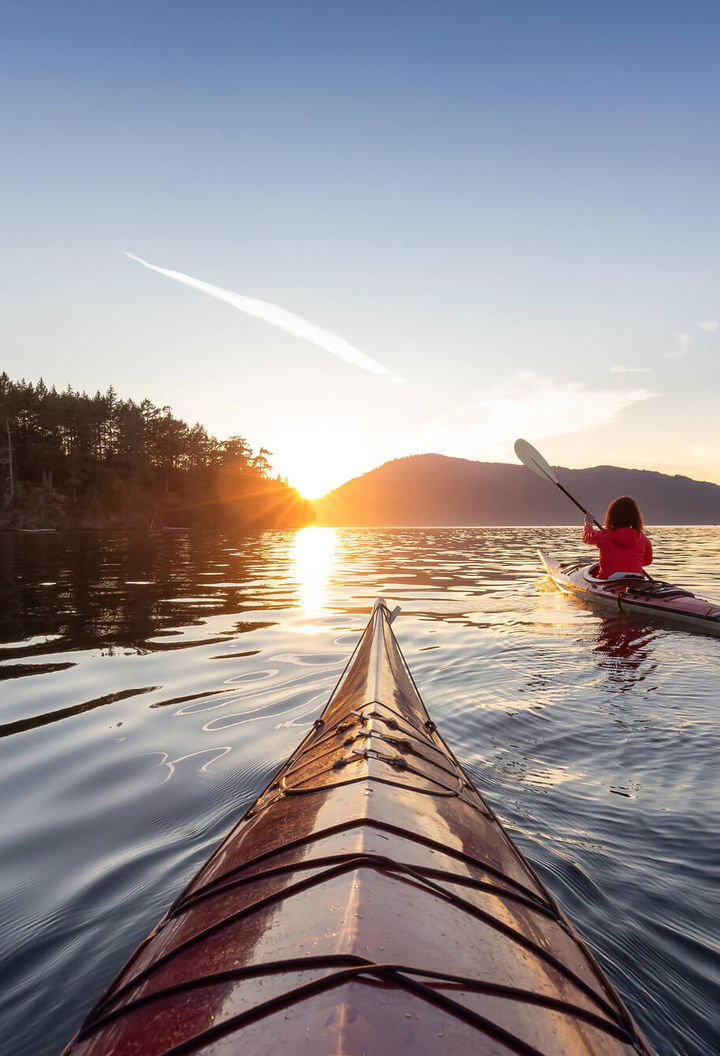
[152,683]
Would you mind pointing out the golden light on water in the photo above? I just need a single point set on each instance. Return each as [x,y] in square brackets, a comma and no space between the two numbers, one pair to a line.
[313,565]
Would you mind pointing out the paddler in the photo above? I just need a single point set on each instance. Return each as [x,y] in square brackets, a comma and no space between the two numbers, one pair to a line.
[624,547]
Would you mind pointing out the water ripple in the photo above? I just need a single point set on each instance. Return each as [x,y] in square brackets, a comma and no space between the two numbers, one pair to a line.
[596,738]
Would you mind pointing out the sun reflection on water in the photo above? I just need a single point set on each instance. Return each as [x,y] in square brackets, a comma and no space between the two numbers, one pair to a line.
[313,564]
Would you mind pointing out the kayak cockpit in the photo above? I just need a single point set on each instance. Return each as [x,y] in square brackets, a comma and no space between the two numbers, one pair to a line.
[590,573]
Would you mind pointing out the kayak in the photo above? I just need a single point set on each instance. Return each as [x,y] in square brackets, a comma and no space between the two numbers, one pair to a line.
[634,594]
[369,902]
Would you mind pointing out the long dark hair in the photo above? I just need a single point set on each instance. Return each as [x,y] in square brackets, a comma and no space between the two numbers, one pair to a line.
[624,513]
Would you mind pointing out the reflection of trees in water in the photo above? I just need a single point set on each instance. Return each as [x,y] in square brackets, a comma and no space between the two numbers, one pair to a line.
[117,590]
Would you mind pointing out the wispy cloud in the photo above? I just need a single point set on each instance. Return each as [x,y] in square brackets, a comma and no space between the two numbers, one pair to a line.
[682,344]
[279,317]
[683,339]
[525,404]
[619,369]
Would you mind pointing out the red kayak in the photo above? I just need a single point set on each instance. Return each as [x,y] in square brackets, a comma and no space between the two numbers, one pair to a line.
[369,902]
[635,594]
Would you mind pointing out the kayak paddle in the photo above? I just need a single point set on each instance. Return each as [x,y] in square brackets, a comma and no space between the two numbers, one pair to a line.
[534,461]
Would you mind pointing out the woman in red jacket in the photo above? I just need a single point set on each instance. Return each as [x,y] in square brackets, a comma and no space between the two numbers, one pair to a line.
[623,546]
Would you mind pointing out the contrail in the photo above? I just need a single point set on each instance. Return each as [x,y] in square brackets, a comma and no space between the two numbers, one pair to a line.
[288,321]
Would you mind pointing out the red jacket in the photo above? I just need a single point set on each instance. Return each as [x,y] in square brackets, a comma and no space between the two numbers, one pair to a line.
[621,549]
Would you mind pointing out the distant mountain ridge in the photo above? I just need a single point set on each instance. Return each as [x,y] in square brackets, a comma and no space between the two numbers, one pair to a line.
[438,490]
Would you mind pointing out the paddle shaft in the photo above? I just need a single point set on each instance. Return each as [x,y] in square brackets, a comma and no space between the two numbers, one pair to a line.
[572,499]
[531,457]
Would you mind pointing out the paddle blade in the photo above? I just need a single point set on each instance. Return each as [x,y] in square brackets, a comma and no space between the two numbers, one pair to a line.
[534,461]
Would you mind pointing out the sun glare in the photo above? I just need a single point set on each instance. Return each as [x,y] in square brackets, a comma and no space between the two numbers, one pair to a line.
[313,482]
[313,564]
[316,462]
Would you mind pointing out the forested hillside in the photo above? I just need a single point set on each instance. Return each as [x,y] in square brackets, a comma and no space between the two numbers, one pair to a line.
[69,460]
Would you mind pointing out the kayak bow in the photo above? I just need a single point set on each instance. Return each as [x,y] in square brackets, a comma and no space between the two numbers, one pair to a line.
[369,902]
[634,595]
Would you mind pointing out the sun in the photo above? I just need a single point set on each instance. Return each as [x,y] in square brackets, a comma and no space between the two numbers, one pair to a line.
[315,462]
[313,488]
[314,478]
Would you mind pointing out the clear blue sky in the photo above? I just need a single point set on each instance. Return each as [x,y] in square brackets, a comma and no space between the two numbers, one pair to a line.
[513,206]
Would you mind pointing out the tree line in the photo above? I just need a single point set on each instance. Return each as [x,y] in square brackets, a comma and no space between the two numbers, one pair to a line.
[69,460]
